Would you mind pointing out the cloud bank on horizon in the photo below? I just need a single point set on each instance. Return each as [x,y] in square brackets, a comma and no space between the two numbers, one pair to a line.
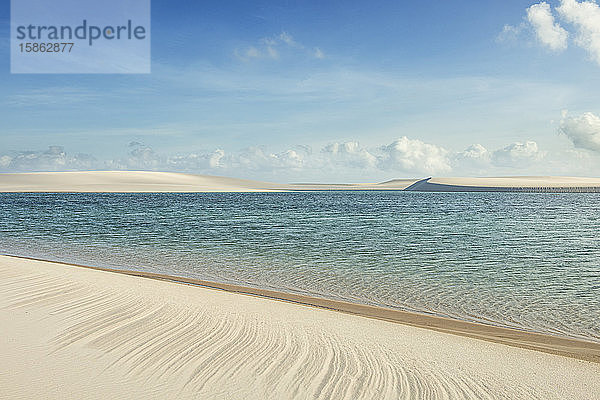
[404,157]
[320,92]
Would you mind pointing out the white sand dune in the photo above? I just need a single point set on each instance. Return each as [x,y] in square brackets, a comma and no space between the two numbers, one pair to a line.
[147,181]
[126,181]
[73,333]
[508,184]
[521,181]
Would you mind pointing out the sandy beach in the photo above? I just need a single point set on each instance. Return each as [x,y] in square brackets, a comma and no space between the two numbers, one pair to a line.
[73,332]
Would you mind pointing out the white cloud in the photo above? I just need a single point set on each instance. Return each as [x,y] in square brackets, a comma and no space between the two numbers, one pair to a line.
[413,155]
[477,159]
[215,159]
[517,155]
[548,32]
[580,18]
[476,152]
[255,158]
[585,16]
[5,161]
[510,33]
[349,154]
[142,157]
[287,38]
[195,161]
[474,157]
[583,131]
[273,47]
[53,159]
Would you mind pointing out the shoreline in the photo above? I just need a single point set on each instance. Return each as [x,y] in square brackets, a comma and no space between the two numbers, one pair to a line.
[546,343]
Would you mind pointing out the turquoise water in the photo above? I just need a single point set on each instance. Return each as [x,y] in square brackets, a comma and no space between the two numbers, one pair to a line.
[530,261]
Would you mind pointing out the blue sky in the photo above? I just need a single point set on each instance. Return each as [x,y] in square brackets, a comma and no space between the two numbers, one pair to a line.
[346,90]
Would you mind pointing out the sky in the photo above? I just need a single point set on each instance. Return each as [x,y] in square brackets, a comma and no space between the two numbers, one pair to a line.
[326,91]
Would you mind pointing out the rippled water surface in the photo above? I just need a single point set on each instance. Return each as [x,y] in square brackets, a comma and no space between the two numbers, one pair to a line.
[515,259]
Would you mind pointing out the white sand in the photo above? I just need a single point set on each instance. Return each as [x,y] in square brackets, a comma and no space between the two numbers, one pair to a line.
[146,181]
[125,181]
[73,333]
[521,181]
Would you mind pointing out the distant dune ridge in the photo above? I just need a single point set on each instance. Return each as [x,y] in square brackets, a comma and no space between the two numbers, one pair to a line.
[125,181]
[148,181]
[508,184]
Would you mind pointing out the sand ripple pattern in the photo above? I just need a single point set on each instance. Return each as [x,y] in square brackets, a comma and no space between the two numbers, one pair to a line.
[206,351]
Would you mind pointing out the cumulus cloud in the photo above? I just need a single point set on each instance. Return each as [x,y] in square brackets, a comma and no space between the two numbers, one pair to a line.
[215,159]
[583,131]
[476,152]
[581,20]
[53,159]
[416,156]
[349,154]
[474,158]
[585,17]
[143,157]
[256,159]
[518,154]
[195,161]
[548,32]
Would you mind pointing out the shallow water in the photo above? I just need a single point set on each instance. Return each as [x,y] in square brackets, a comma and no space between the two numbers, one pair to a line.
[530,261]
